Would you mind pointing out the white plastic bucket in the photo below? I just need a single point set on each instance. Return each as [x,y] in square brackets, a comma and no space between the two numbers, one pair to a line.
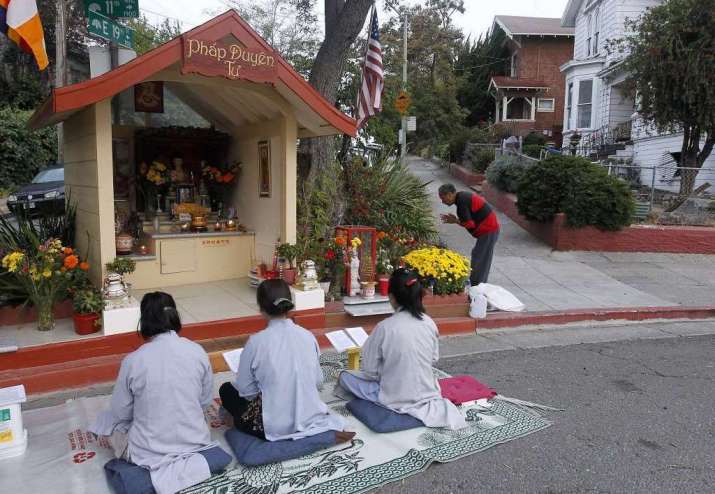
[13,436]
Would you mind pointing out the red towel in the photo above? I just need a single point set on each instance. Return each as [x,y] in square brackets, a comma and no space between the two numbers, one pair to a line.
[462,389]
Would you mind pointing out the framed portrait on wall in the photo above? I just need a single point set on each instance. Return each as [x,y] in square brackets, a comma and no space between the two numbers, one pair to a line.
[264,169]
[149,97]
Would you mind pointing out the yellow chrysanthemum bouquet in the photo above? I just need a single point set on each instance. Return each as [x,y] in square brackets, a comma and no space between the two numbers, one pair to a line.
[445,270]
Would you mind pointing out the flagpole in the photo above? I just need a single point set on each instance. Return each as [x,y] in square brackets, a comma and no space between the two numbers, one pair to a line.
[60,66]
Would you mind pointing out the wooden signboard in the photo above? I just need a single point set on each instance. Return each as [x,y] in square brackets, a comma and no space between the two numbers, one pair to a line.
[231,60]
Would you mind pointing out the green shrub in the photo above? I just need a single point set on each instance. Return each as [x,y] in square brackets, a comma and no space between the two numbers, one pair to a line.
[458,144]
[23,152]
[505,172]
[534,139]
[479,158]
[533,150]
[574,186]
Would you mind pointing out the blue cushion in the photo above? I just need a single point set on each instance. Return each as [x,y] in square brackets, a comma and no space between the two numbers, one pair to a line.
[251,451]
[217,459]
[127,478]
[379,419]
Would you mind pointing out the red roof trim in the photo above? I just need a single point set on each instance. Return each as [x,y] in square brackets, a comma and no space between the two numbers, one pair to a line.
[85,93]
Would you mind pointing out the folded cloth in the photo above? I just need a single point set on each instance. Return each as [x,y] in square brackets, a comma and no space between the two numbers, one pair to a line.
[462,389]
[252,451]
[128,478]
[380,419]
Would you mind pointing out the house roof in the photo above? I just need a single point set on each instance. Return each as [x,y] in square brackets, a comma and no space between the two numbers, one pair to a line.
[532,26]
[315,114]
[568,19]
[503,82]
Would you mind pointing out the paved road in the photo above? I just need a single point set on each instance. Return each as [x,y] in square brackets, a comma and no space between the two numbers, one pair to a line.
[547,280]
[638,418]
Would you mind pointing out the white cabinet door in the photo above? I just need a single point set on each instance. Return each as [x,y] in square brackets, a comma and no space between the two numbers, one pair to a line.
[178,255]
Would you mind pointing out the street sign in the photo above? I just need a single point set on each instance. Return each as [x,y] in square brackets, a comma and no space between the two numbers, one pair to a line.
[109,29]
[411,124]
[113,8]
[402,103]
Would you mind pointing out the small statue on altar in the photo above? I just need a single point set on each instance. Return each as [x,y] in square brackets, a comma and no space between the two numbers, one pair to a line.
[354,288]
[308,279]
[178,175]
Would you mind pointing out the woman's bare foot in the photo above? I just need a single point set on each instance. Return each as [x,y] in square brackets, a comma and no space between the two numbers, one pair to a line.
[343,437]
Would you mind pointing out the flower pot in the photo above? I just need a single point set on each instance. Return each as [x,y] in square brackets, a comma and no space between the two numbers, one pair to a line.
[289,275]
[86,323]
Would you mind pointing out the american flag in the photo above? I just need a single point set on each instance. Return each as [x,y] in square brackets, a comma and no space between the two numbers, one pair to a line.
[370,97]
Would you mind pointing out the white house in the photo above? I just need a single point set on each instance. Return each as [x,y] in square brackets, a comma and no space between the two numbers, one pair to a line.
[598,107]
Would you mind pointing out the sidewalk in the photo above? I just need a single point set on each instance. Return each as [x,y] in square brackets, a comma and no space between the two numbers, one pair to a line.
[548,280]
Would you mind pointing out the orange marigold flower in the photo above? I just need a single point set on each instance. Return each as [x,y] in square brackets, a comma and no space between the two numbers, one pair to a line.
[340,241]
[67,251]
[381,235]
[71,261]
[84,266]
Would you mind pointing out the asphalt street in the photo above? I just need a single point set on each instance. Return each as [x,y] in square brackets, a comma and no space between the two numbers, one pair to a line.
[638,419]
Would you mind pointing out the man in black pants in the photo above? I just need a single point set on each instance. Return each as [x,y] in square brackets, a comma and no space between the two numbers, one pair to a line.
[474,214]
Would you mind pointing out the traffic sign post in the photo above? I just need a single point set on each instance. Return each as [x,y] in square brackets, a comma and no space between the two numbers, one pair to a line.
[113,8]
[109,29]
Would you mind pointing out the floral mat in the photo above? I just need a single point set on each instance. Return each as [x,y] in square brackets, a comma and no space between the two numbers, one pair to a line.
[63,458]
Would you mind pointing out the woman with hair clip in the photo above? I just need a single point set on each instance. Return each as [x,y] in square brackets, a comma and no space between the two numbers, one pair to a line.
[156,413]
[397,358]
[275,395]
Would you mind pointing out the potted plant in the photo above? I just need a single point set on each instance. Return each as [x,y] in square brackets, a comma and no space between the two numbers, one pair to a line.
[121,265]
[87,304]
[288,252]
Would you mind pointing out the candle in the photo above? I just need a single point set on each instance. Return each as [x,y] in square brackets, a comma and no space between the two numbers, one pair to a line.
[143,250]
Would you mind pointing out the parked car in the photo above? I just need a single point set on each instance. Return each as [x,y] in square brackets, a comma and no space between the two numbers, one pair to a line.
[46,193]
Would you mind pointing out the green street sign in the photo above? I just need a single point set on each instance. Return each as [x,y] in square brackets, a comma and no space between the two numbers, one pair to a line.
[113,8]
[109,29]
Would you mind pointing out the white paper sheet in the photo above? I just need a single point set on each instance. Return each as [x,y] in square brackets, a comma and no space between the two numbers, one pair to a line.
[358,335]
[340,340]
[232,358]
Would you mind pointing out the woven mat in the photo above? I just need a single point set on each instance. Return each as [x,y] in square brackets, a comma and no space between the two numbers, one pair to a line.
[63,458]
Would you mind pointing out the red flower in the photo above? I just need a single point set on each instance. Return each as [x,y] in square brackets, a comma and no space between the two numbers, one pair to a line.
[330,255]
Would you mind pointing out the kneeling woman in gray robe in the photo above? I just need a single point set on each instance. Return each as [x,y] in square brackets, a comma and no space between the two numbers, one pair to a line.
[275,395]
[156,415]
[397,358]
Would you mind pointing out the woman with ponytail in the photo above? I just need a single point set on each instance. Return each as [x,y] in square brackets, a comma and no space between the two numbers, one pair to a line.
[275,395]
[156,414]
[397,359]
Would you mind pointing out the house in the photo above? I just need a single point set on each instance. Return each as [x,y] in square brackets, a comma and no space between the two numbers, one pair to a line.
[598,105]
[531,97]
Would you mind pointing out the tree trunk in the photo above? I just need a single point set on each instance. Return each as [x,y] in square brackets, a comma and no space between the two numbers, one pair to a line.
[689,160]
[344,20]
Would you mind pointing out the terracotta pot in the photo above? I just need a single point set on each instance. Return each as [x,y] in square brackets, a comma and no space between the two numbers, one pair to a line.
[85,323]
[289,275]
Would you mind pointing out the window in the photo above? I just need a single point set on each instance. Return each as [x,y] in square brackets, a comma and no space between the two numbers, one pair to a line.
[569,103]
[545,104]
[596,29]
[585,95]
[514,66]
[589,25]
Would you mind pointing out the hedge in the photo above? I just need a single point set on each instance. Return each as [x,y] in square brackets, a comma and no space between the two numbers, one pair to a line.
[505,172]
[23,152]
[574,186]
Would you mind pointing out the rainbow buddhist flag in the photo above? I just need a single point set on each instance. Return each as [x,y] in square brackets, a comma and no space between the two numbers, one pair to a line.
[20,22]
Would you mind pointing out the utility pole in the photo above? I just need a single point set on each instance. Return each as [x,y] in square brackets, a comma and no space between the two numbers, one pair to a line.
[404,86]
[60,65]
[113,64]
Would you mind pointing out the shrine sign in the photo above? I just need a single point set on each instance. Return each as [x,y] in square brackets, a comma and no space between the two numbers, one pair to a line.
[229,60]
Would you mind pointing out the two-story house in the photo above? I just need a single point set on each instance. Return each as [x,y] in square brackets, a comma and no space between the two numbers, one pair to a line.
[531,97]
[598,105]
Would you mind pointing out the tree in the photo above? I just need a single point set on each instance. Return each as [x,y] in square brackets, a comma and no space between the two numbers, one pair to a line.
[148,35]
[671,62]
[287,25]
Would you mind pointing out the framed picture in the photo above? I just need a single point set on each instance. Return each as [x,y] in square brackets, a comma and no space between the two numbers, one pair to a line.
[264,169]
[149,97]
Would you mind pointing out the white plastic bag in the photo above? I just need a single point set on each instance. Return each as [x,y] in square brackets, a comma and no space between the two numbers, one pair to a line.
[477,303]
[500,298]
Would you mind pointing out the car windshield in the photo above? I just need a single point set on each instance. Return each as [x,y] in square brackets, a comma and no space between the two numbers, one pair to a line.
[49,175]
